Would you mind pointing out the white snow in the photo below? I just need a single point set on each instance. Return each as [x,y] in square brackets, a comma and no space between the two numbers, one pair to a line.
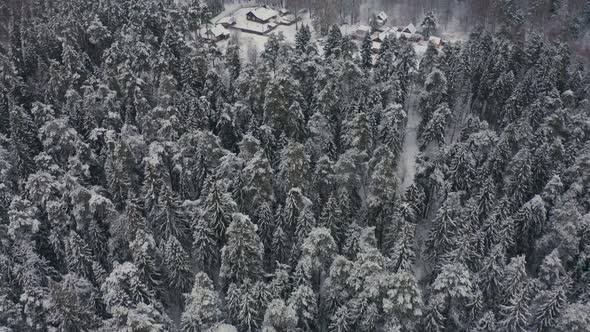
[407,166]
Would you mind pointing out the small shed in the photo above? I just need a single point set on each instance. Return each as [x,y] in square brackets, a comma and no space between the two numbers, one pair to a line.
[227,21]
[436,41]
[214,33]
[361,32]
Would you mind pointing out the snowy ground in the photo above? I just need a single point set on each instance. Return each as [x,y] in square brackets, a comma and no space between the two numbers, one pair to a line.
[407,170]
[407,166]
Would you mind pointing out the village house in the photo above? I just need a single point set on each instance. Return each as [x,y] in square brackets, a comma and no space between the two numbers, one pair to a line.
[381,19]
[214,33]
[375,37]
[408,31]
[261,15]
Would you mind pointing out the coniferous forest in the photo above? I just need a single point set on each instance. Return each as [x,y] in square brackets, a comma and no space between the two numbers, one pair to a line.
[151,182]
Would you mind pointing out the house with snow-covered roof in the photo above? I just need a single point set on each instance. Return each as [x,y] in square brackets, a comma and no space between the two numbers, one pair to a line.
[361,32]
[411,29]
[436,41]
[214,32]
[387,33]
[227,21]
[261,14]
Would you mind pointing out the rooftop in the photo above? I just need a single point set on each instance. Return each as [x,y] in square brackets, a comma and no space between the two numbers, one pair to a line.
[264,13]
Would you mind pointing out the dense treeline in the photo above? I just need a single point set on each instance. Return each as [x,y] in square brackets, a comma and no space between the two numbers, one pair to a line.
[149,182]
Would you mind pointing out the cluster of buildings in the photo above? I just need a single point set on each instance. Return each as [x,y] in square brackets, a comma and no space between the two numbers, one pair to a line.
[380,31]
[258,20]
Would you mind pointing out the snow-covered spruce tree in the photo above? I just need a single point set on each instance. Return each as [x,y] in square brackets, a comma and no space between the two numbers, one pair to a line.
[232,55]
[241,257]
[429,25]
[217,210]
[333,42]
[294,167]
[202,306]
[303,39]
[279,317]
[434,95]
[130,303]
[367,52]
[71,304]
[176,263]
[428,62]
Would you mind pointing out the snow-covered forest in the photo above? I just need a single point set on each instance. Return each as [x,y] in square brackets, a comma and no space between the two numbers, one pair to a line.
[151,182]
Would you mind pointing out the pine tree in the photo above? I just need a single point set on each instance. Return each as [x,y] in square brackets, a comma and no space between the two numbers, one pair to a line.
[358,133]
[442,236]
[257,176]
[232,55]
[202,306]
[272,50]
[428,25]
[332,219]
[333,42]
[492,273]
[434,131]
[123,289]
[241,257]
[71,306]
[303,301]
[294,167]
[434,320]
[548,307]
[404,300]
[24,140]
[169,219]
[218,209]
[403,253]
[279,317]
[302,39]
[516,313]
[177,265]
[429,62]
[204,245]
[366,52]
[79,256]
[145,256]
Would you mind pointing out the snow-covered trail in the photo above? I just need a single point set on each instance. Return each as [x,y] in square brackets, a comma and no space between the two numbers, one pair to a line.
[406,169]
